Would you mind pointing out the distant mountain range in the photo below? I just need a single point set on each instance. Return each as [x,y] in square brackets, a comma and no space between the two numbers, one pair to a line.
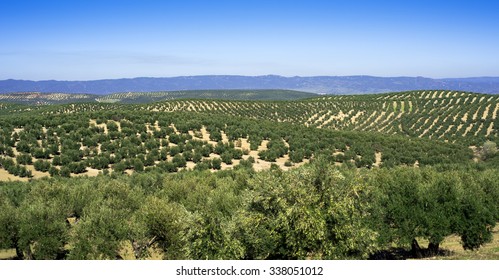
[317,84]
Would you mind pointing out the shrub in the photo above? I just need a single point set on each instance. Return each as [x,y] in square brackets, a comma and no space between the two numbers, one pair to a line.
[42,165]
[216,163]
[179,161]
[226,157]
[24,159]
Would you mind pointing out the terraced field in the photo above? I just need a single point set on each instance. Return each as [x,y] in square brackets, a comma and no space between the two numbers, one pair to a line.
[441,115]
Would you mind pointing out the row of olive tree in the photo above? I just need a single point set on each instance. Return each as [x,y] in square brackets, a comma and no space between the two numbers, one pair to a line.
[424,203]
[315,211]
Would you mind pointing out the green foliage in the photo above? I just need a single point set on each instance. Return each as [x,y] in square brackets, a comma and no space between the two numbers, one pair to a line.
[53,171]
[65,171]
[312,212]
[315,211]
[216,163]
[119,167]
[103,227]
[478,213]
[42,165]
[76,167]
[146,97]
[203,165]
[23,159]
[215,235]
[421,203]
[165,224]
[43,230]
[112,126]
[138,165]
[226,158]
[99,162]
[179,161]
[82,143]
[8,224]
[489,149]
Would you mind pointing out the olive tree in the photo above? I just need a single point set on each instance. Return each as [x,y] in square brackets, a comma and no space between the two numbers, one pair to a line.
[312,212]
[489,149]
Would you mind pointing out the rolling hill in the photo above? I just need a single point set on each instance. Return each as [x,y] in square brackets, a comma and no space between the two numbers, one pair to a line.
[40,98]
[260,94]
[89,168]
[85,139]
[434,114]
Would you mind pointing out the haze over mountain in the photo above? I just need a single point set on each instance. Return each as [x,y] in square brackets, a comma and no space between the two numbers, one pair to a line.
[315,84]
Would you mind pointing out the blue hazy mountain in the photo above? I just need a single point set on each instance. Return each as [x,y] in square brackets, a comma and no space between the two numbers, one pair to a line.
[316,84]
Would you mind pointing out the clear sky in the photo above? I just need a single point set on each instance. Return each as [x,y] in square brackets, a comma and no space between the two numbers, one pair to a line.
[100,39]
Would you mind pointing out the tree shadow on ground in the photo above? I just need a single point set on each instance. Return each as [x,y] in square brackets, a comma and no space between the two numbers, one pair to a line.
[404,254]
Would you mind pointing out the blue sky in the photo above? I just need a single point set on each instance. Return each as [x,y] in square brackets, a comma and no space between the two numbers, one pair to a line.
[83,40]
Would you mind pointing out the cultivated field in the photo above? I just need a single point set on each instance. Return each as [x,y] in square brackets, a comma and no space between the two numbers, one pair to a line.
[49,98]
[398,175]
[118,141]
[439,115]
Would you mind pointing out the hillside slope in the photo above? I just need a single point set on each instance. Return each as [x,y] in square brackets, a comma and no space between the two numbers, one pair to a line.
[86,143]
[259,94]
[442,115]
[40,98]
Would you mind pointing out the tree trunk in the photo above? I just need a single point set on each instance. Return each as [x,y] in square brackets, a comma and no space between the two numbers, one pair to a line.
[416,250]
[433,248]
[140,249]
[19,253]
[137,250]
[29,254]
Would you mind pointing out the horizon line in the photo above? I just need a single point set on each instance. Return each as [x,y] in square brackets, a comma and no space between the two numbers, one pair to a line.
[250,76]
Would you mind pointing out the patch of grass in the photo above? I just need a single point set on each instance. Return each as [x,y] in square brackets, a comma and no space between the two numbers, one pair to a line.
[450,249]
[7,254]
[452,244]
